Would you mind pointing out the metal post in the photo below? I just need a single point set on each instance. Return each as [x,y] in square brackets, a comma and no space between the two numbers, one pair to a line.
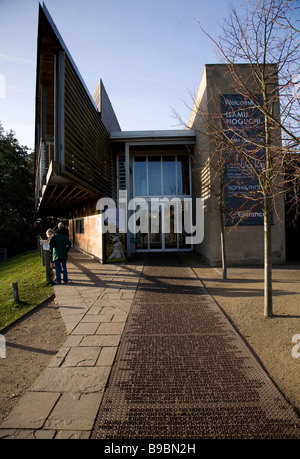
[16,291]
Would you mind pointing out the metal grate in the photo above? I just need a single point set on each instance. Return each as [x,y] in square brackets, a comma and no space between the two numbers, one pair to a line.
[182,371]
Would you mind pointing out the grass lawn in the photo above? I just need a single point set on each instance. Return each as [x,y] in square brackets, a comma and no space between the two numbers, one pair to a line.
[27,269]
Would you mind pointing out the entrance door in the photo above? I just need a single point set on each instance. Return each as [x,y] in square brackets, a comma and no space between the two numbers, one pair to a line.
[165,236]
[161,176]
[170,237]
[156,239]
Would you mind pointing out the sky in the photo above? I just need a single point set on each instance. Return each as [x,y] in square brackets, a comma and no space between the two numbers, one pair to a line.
[150,55]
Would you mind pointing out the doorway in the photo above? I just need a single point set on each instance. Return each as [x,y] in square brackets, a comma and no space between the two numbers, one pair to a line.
[162,176]
[165,230]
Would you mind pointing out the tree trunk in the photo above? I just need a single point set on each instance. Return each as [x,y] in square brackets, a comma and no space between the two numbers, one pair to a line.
[222,224]
[268,310]
[223,249]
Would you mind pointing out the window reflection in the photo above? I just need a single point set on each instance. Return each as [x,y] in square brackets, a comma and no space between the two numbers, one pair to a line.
[140,176]
[169,175]
[161,175]
[183,175]
[154,175]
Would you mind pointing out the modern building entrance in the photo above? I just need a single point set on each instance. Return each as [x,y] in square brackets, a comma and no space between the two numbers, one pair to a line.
[92,158]
[162,177]
[157,169]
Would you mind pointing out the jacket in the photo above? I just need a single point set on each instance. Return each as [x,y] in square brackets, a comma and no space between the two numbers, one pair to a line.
[60,245]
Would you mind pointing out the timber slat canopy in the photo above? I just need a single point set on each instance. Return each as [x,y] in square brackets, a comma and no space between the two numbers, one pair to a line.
[60,197]
[73,154]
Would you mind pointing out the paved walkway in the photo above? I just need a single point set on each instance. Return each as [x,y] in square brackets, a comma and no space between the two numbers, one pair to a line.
[173,368]
[64,400]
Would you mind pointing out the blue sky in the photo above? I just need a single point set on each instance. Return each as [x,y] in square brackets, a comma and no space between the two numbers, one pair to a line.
[149,54]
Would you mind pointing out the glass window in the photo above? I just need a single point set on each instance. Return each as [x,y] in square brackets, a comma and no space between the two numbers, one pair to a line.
[161,175]
[154,175]
[140,176]
[183,175]
[169,175]
[80,226]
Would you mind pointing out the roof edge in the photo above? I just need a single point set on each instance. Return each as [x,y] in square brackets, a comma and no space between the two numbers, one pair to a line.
[65,48]
[175,134]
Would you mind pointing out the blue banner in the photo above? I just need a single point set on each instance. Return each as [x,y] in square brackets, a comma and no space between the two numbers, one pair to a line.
[243,129]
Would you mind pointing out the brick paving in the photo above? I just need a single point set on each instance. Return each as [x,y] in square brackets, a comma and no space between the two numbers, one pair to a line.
[149,354]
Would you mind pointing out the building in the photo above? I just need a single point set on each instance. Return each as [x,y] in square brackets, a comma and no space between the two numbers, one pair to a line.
[244,241]
[83,156]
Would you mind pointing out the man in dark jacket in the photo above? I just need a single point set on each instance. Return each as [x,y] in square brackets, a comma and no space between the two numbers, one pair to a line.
[60,245]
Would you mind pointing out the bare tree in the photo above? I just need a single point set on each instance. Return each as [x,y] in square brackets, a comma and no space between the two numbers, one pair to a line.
[267,39]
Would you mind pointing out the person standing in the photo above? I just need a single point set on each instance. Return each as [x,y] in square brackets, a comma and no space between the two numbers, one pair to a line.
[49,234]
[60,246]
[62,229]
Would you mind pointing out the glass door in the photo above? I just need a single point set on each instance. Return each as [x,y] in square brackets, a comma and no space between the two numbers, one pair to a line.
[170,237]
[166,238]
[156,239]
[161,176]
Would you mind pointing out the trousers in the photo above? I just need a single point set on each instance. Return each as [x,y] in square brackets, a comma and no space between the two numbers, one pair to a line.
[61,265]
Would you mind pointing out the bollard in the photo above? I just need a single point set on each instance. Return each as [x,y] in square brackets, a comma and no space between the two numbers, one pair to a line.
[16,291]
[40,246]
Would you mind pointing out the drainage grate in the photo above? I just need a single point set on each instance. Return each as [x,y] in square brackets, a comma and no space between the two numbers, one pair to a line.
[183,372]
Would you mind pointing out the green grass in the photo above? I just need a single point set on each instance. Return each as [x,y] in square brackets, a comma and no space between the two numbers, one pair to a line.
[27,269]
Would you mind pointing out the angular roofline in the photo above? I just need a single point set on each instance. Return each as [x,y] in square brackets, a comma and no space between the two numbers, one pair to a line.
[64,47]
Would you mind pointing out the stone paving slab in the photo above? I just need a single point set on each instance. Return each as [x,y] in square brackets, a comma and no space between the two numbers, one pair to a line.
[81,357]
[74,412]
[31,412]
[26,434]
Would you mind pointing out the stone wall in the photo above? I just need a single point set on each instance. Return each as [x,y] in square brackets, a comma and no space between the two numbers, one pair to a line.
[244,244]
[90,241]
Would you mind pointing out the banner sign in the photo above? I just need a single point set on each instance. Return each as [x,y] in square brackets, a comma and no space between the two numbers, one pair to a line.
[243,127]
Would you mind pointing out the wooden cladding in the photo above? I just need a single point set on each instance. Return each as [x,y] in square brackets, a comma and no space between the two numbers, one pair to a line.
[87,146]
[75,168]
